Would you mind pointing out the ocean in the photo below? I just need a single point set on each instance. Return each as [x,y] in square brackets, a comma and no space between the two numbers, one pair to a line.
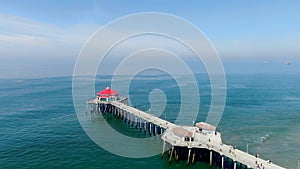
[39,126]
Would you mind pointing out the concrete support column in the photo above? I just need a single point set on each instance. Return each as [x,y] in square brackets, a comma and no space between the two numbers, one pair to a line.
[188,160]
[222,162]
[193,159]
[163,150]
[210,157]
[170,159]
[140,123]
[130,118]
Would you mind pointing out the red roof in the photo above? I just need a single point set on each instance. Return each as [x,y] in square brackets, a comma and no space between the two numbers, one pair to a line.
[107,92]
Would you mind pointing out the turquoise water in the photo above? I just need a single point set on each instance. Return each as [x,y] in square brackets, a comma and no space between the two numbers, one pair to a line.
[39,127]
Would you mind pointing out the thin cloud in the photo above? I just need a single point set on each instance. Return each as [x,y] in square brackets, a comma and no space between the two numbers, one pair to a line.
[30,36]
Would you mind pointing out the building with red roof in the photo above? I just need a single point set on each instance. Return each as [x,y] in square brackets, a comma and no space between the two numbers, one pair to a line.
[107,95]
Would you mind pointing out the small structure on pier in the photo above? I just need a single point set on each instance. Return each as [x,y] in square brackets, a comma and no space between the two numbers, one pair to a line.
[107,95]
[205,127]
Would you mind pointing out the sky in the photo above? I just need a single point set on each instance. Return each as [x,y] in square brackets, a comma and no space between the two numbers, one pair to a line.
[41,38]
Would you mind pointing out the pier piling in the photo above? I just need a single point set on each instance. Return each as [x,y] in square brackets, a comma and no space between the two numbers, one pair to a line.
[189,154]
[170,159]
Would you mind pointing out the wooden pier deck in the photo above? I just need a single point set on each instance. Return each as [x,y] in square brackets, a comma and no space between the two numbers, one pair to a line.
[143,115]
[175,136]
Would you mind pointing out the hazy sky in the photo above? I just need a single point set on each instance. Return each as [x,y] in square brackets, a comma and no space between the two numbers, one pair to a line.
[43,37]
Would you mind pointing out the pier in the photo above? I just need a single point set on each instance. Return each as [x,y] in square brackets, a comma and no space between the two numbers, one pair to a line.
[191,143]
